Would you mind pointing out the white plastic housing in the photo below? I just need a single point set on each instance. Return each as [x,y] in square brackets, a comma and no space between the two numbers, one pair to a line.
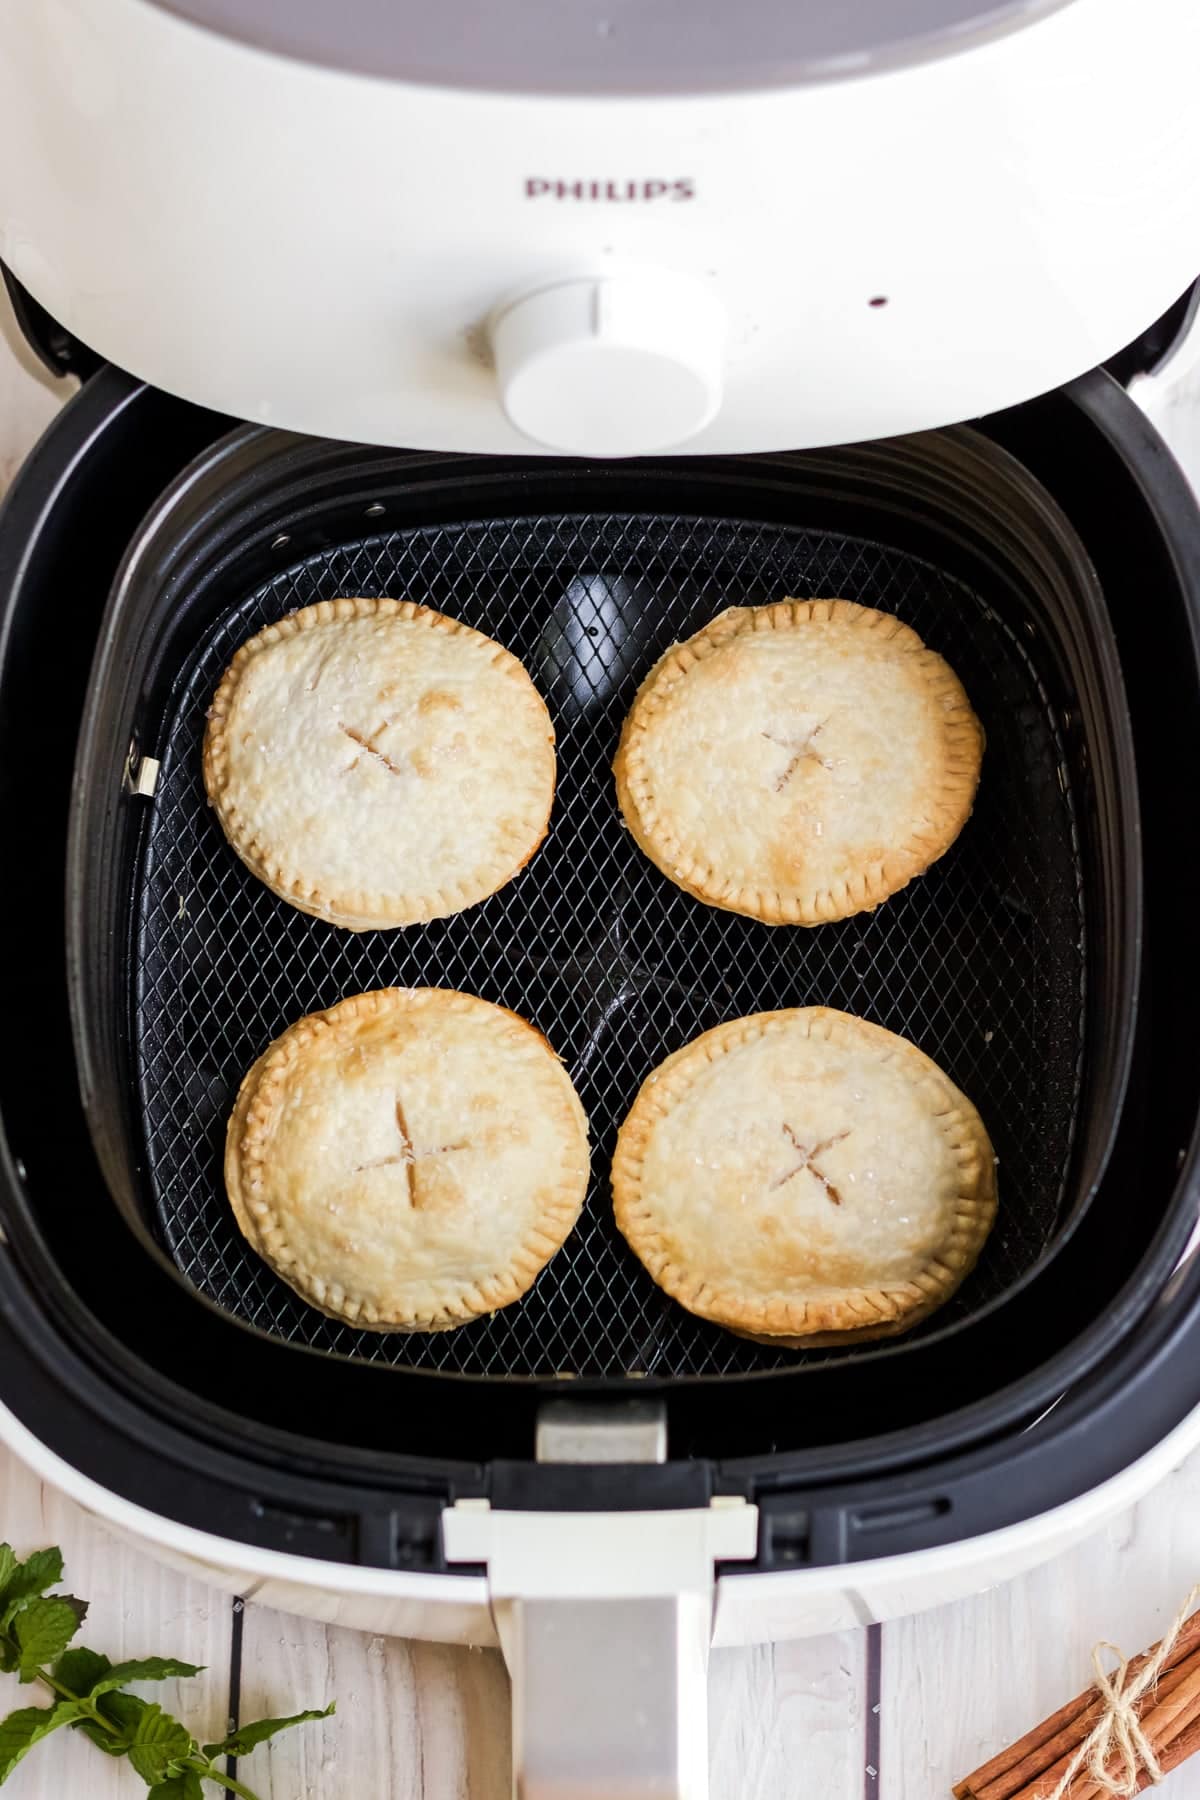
[604,1619]
[748,1609]
[323,250]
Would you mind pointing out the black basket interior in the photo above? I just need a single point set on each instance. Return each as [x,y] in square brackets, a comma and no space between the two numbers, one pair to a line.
[982,962]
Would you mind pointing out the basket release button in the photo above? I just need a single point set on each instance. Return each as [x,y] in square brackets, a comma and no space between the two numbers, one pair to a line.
[618,365]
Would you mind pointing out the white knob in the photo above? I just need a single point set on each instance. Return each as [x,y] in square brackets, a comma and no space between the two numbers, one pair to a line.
[616,366]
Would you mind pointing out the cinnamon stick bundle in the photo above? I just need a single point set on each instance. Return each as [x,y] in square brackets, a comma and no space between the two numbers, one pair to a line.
[1168,1712]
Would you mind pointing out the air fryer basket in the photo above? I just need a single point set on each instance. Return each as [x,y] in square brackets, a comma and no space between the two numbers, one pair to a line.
[1003,962]
[982,963]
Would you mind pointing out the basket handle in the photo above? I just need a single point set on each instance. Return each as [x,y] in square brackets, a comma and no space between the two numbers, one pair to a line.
[605,1621]
[610,1697]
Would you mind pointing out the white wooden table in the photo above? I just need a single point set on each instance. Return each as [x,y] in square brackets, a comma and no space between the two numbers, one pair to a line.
[899,1712]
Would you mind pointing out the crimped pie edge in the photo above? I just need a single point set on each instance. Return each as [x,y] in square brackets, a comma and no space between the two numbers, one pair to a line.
[360,911]
[951,803]
[873,1312]
[248,1133]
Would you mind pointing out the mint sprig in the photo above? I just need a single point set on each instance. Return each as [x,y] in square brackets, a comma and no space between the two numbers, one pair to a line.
[89,1691]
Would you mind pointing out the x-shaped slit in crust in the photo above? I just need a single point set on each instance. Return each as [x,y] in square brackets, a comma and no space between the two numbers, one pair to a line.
[808,1161]
[407,1157]
[366,743]
[804,752]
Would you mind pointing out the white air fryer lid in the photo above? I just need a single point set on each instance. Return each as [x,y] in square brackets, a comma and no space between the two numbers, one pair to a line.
[610,46]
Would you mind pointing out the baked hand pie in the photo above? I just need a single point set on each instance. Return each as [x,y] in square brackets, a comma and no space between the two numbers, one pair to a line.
[377,764]
[804,1177]
[408,1160]
[798,762]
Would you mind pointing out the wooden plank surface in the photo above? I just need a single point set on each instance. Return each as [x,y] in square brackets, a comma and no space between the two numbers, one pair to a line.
[430,1722]
[787,1721]
[136,1608]
[899,1712]
[414,1720]
[962,1682]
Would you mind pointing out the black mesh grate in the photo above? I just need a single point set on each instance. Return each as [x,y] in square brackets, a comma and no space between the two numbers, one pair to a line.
[981,962]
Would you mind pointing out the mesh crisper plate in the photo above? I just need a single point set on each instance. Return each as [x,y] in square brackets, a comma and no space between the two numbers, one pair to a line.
[981,962]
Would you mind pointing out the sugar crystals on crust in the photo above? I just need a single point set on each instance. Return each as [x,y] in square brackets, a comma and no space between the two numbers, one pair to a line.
[798,762]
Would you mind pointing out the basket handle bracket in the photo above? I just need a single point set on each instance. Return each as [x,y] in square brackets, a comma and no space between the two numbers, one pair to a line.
[605,1621]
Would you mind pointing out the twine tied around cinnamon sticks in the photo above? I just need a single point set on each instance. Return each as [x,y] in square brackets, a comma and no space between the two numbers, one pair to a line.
[1139,1721]
[1120,1725]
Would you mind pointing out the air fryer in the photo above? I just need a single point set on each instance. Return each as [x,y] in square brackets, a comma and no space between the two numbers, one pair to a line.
[595,1467]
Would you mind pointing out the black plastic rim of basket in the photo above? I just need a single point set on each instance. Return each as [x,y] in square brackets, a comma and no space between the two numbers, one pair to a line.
[925,467]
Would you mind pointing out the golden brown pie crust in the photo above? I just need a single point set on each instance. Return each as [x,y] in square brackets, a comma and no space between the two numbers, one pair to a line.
[408,1160]
[798,762]
[377,764]
[804,1177]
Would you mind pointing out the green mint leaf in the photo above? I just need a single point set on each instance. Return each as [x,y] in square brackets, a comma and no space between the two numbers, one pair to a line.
[149,1668]
[26,1581]
[80,1669]
[179,1787]
[103,1740]
[44,1629]
[37,1573]
[247,1737]
[35,1631]
[124,1711]
[158,1745]
[22,1730]
[154,1742]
